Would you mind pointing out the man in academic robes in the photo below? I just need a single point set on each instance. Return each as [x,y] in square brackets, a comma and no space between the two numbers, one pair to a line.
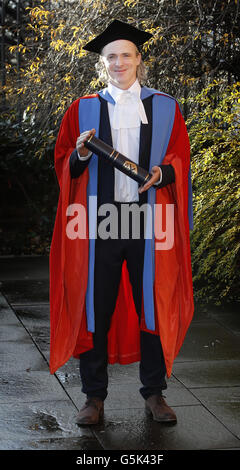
[116,295]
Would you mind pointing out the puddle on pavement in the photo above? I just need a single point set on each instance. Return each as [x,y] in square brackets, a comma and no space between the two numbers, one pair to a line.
[66,377]
[46,422]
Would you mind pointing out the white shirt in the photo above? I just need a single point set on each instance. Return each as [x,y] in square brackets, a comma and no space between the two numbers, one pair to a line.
[125,121]
[125,118]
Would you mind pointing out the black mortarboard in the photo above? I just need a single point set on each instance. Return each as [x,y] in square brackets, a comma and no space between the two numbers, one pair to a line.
[117,30]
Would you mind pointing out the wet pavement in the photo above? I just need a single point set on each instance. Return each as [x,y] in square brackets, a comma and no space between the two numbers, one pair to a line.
[38,410]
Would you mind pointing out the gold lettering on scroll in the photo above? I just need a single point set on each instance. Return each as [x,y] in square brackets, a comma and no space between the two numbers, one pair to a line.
[131,166]
[146,177]
[114,155]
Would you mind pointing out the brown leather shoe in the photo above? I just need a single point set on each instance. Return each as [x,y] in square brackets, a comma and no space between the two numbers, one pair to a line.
[91,412]
[156,406]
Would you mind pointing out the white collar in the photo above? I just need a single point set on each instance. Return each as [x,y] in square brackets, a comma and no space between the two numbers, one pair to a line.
[115,91]
[128,109]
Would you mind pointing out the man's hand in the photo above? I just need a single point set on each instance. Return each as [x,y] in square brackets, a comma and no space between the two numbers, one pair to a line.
[82,150]
[156,174]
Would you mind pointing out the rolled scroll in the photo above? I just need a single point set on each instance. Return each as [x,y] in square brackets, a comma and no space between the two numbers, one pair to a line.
[118,160]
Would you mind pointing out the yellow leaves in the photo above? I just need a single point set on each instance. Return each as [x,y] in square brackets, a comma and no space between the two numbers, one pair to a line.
[76,30]
[41,95]
[35,65]
[32,73]
[58,45]
[19,48]
[57,31]
[37,80]
[176,40]
[186,80]
[81,53]
[40,14]
[61,108]
[197,36]
[21,91]
[95,83]
[185,38]
[68,77]
[39,153]
[42,30]
[208,155]
[224,38]
[73,48]
[12,49]
[131,3]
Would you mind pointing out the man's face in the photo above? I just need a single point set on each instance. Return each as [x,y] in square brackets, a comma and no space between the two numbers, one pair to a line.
[121,60]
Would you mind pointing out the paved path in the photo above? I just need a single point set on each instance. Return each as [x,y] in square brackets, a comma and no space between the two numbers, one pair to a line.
[38,410]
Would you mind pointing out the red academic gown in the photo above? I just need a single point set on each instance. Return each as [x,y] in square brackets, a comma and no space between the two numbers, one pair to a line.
[173,292]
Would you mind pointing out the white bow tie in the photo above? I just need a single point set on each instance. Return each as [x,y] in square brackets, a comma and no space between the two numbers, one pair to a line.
[128,111]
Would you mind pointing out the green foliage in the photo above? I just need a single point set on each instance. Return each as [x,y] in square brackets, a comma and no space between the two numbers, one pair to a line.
[214,135]
[28,190]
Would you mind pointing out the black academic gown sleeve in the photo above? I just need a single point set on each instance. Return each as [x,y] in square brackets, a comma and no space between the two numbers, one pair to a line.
[76,165]
[168,176]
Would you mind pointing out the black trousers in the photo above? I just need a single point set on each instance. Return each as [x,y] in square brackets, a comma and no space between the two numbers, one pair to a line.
[109,256]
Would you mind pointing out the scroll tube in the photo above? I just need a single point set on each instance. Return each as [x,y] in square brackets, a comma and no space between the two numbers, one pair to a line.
[118,160]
